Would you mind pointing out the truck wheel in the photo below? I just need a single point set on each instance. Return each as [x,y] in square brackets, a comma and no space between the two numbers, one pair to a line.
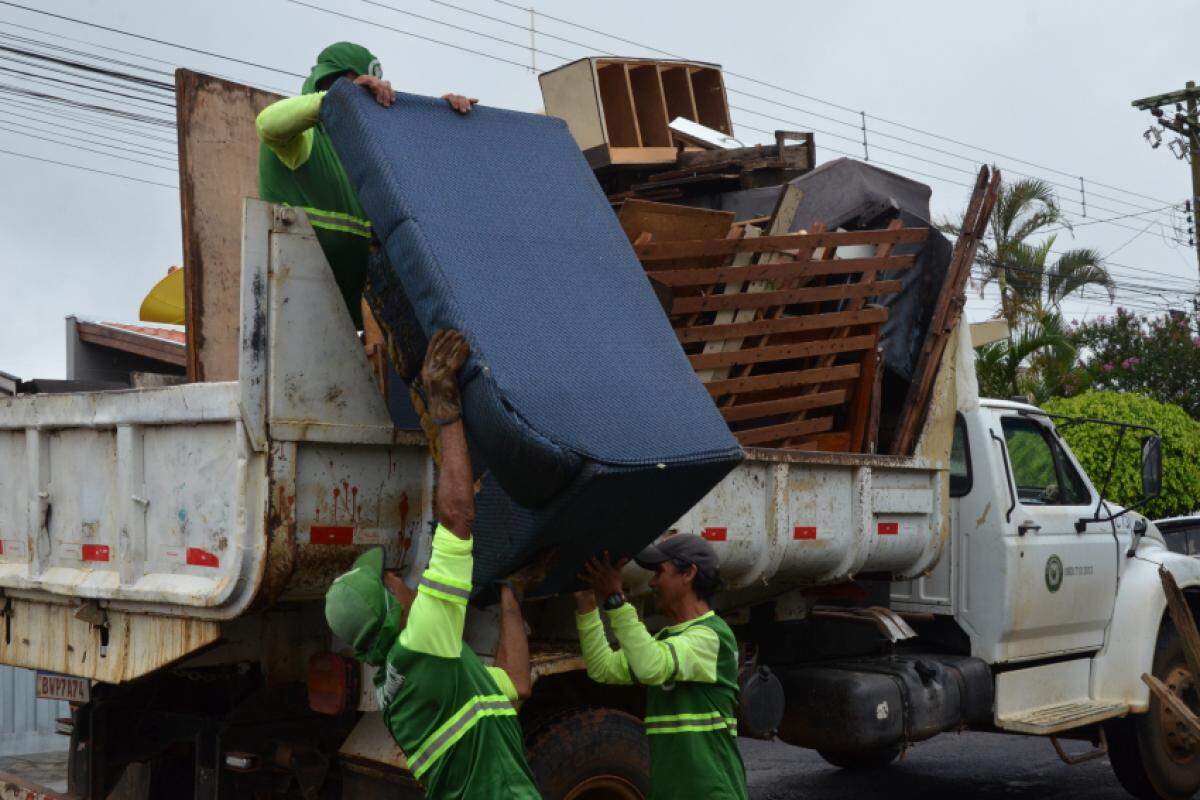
[1150,753]
[591,754]
[861,759]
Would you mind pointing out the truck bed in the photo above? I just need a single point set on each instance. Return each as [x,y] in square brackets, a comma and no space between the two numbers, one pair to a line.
[134,523]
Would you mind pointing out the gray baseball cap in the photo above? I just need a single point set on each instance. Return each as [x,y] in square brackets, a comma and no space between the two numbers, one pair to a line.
[686,547]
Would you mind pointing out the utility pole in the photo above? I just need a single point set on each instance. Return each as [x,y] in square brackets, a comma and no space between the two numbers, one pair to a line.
[1185,123]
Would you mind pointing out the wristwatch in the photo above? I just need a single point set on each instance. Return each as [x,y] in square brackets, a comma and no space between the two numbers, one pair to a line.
[614,601]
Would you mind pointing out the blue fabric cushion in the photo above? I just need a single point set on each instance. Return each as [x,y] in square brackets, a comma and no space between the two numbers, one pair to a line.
[493,224]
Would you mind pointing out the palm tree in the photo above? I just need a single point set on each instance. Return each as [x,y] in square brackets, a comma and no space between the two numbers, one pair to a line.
[1030,283]
[1037,355]
[1033,360]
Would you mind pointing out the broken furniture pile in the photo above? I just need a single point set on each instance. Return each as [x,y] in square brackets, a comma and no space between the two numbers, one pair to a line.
[661,130]
[784,328]
[781,330]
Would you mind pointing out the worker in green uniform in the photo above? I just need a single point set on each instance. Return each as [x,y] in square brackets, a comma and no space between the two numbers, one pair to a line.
[298,166]
[690,667]
[453,717]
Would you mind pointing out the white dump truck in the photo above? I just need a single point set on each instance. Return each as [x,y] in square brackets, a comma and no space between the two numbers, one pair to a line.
[164,552]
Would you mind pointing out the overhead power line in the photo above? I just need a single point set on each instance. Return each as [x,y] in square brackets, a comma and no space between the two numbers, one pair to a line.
[88,169]
[145,38]
[542,51]
[121,113]
[91,136]
[41,137]
[826,102]
[403,32]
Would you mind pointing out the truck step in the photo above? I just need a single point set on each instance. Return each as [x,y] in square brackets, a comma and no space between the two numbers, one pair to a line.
[1062,717]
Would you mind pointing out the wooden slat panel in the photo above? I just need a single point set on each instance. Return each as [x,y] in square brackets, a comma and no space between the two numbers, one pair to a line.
[785,406]
[720,346]
[780,222]
[863,396]
[784,380]
[813,294]
[781,352]
[791,241]
[780,270]
[773,433]
[808,322]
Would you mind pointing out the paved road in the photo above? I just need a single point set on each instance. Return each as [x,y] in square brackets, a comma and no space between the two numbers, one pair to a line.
[947,767]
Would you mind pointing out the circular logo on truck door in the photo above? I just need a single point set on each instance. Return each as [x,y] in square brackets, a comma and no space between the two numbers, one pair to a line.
[1054,573]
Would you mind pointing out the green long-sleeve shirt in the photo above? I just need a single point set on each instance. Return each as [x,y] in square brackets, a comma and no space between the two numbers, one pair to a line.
[298,166]
[689,656]
[690,671]
[452,716]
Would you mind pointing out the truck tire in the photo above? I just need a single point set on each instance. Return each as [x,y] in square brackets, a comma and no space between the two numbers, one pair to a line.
[861,759]
[591,754]
[1149,756]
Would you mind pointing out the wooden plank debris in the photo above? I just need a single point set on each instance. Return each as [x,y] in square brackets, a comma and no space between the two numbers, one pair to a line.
[670,223]
[1181,616]
[947,310]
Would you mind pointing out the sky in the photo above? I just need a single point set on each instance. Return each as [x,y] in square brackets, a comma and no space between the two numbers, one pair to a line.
[1041,87]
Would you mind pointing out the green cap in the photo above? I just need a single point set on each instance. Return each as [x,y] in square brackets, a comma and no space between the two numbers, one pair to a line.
[342,57]
[361,611]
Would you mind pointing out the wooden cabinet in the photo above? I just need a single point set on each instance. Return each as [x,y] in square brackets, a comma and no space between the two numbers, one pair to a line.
[619,109]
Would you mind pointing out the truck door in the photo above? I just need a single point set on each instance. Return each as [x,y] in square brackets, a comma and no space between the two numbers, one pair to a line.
[1060,583]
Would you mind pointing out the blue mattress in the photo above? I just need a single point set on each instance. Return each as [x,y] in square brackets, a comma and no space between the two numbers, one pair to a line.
[587,424]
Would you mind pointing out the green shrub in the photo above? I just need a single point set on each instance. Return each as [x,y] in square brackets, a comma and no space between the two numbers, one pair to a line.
[1093,446]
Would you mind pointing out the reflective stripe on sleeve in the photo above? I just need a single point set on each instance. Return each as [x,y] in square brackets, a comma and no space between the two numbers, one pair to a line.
[690,723]
[444,589]
[453,729]
[337,221]
[674,661]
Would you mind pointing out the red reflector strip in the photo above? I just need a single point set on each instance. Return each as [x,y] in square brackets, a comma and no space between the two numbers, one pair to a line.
[201,558]
[804,532]
[889,528]
[95,552]
[331,534]
[714,534]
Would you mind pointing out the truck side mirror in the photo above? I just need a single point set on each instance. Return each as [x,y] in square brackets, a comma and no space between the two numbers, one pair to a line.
[1152,466]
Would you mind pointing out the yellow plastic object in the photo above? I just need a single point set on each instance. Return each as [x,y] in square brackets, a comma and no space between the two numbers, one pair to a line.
[164,303]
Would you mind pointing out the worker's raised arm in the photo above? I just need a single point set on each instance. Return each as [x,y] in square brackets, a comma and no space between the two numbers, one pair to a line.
[455,501]
[604,665]
[689,655]
[435,623]
[286,125]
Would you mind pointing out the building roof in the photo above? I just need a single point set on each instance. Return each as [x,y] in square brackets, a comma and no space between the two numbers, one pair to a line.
[176,335]
[164,344]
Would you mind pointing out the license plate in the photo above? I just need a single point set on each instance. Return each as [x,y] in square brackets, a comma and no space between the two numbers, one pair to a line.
[53,686]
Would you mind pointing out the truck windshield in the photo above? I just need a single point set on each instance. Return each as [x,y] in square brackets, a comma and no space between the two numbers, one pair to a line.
[1041,470]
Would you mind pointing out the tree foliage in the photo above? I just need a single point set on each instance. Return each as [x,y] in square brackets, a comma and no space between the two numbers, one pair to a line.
[1033,279]
[1031,361]
[1155,356]
[1093,446]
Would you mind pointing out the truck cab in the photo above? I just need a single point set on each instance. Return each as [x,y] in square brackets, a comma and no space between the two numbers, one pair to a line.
[1042,616]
